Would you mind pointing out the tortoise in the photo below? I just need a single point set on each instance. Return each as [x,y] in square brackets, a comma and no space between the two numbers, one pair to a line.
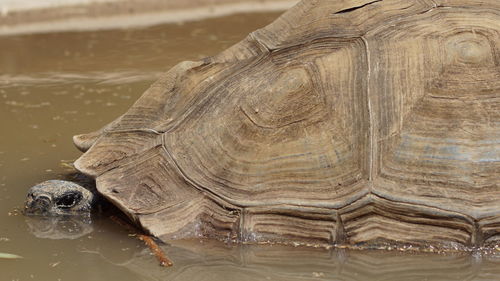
[355,122]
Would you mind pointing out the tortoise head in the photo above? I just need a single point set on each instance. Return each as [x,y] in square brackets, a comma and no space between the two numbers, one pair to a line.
[56,197]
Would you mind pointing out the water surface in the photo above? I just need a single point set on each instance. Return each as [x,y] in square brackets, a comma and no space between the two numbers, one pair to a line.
[53,86]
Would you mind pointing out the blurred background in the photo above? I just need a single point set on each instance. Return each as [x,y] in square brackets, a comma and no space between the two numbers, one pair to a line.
[29,16]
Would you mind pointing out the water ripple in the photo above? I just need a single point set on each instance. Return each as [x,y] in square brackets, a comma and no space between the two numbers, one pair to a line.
[109,78]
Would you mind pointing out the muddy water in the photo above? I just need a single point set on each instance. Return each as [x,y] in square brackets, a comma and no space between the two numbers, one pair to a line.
[53,86]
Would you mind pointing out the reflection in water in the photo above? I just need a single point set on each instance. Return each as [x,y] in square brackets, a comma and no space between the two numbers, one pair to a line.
[67,227]
[213,261]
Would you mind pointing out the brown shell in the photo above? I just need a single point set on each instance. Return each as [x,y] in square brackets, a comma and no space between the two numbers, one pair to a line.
[344,121]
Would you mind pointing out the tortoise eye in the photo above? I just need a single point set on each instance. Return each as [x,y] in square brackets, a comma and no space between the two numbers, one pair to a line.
[68,200]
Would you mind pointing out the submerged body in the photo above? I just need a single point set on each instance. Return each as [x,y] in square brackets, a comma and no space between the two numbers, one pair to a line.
[343,122]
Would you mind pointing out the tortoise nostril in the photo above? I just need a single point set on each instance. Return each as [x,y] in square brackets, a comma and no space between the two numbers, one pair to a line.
[43,200]
[39,204]
[42,197]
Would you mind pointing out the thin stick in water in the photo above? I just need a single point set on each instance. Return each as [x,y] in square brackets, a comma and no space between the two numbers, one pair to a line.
[156,250]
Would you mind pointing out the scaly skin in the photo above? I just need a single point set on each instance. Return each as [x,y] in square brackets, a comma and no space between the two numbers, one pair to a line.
[59,198]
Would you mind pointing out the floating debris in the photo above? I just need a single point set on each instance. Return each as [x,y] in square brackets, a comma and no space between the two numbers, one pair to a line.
[54,264]
[15,212]
[9,256]
[318,274]
[68,165]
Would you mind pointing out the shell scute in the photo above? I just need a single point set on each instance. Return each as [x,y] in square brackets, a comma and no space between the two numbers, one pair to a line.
[369,121]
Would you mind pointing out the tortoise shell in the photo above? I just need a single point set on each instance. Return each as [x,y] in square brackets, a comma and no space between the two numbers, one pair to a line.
[342,122]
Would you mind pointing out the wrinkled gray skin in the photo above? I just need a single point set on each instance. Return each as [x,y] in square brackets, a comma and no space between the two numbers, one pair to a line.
[59,198]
